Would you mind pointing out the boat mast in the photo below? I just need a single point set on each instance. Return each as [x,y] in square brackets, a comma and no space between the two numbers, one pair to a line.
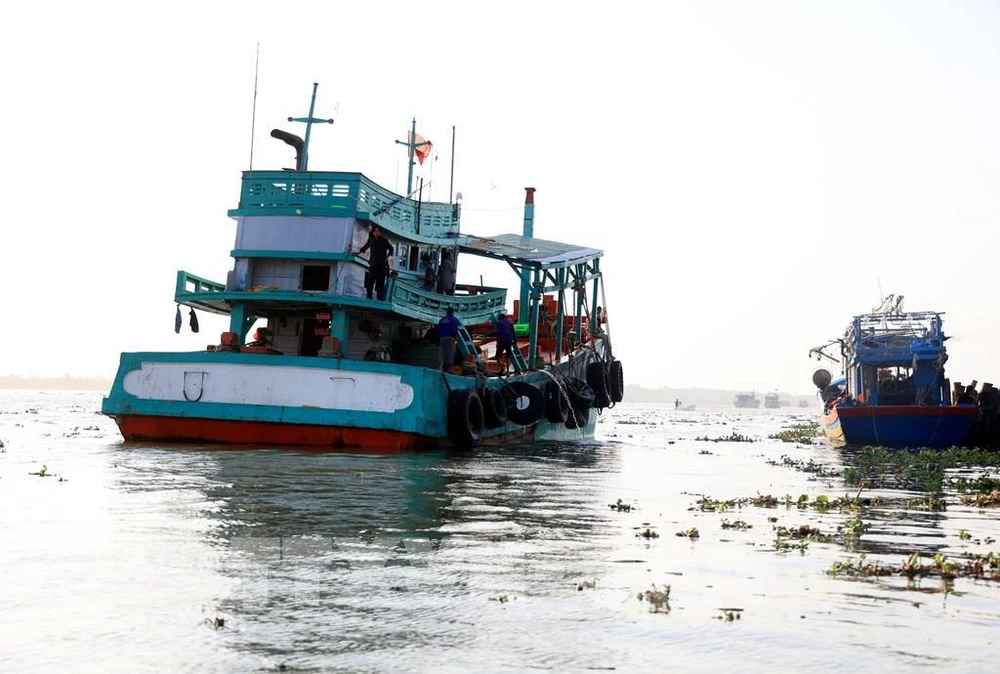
[309,121]
[411,145]
[527,232]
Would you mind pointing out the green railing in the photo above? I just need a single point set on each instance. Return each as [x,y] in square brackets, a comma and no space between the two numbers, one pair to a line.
[349,195]
[189,284]
[479,306]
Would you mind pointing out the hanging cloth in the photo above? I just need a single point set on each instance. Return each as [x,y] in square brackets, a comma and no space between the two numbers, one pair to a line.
[194,321]
[177,320]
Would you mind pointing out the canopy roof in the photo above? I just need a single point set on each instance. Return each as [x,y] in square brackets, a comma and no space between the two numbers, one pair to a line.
[527,250]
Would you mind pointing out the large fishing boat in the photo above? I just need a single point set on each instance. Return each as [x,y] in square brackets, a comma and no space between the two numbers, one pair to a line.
[333,366]
[893,392]
[746,399]
[772,400]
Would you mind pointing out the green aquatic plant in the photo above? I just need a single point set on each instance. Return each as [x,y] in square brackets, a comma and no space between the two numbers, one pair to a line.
[691,533]
[647,534]
[805,466]
[732,437]
[803,532]
[982,484]
[738,524]
[931,502]
[982,567]
[854,527]
[805,433]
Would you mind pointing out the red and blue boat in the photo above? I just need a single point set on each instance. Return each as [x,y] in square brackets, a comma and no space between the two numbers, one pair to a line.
[894,392]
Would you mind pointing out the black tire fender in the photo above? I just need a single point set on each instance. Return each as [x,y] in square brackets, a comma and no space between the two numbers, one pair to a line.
[525,402]
[556,403]
[465,418]
[494,408]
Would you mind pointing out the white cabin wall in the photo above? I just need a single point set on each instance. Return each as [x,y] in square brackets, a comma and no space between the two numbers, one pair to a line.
[285,338]
[282,274]
[349,279]
[295,233]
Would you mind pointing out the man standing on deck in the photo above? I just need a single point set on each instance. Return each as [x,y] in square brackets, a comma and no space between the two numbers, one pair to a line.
[505,341]
[446,273]
[447,333]
[378,262]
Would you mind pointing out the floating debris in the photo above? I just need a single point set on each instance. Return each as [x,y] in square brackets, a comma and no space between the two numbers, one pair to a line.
[981,500]
[621,507]
[503,599]
[658,598]
[729,614]
[691,533]
[647,533]
[586,585]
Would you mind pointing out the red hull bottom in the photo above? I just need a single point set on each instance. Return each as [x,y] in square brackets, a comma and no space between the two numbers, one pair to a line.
[144,428]
[141,428]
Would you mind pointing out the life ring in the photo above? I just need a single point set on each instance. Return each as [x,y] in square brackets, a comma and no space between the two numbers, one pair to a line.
[465,418]
[525,403]
[616,381]
[556,403]
[494,408]
[598,380]
[581,396]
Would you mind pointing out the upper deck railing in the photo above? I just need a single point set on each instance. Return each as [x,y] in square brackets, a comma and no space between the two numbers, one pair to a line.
[345,195]
[897,338]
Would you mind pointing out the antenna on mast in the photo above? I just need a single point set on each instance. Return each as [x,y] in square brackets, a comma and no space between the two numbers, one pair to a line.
[253,116]
[451,181]
[303,160]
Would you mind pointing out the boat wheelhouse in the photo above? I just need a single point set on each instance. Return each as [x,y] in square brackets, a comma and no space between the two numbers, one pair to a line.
[894,391]
[333,366]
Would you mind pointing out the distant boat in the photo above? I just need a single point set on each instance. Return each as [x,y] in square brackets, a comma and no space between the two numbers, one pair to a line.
[803,403]
[894,392]
[744,399]
[772,400]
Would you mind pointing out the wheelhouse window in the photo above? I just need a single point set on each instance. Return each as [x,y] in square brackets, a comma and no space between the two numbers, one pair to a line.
[316,277]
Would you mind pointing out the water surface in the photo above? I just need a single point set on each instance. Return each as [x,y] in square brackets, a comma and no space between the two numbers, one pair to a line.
[126,559]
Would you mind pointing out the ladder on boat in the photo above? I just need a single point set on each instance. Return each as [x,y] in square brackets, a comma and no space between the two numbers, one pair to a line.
[518,362]
[465,344]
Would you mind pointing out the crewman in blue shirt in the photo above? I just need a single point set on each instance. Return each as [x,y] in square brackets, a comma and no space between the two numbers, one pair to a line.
[447,333]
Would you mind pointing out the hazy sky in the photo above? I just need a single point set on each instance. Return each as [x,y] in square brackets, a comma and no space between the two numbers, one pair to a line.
[755,171]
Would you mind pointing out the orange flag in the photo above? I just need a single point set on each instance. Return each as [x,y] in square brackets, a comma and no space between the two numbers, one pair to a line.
[422,148]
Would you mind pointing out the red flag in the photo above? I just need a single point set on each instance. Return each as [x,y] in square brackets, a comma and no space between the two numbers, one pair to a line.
[421,147]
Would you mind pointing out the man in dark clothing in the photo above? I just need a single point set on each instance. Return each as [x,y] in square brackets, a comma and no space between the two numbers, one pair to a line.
[447,333]
[505,340]
[428,277]
[446,273]
[378,262]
